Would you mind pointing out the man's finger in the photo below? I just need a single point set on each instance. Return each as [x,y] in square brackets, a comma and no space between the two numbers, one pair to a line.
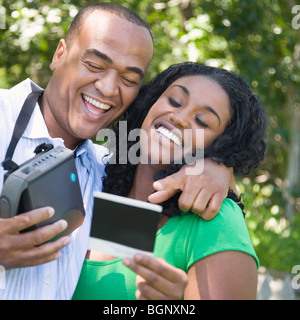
[186,199]
[213,207]
[173,181]
[167,187]
[201,201]
[161,196]
[41,254]
[43,234]
[29,219]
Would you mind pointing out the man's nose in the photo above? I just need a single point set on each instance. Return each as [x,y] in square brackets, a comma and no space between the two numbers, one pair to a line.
[107,84]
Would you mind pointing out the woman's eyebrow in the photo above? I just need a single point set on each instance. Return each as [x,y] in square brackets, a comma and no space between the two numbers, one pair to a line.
[208,108]
[184,89]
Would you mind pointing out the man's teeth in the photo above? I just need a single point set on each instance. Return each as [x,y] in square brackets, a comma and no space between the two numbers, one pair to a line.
[96,103]
[170,135]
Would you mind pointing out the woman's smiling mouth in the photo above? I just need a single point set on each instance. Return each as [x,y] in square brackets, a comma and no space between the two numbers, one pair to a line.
[169,134]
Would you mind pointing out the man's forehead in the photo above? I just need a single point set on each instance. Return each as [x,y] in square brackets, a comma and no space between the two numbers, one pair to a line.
[112,31]
[104,20]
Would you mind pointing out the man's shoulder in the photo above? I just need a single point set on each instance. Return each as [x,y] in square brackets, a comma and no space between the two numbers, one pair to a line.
[25,85]
[11,100]
[17,94]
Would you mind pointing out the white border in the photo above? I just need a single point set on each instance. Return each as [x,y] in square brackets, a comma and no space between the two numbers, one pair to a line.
[114,249]
[128,201]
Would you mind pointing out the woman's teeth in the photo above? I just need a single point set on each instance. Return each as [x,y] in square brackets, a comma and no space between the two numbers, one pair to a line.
[96,103]
[170,135]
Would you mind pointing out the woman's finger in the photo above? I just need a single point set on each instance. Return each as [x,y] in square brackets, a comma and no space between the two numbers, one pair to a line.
[159,275]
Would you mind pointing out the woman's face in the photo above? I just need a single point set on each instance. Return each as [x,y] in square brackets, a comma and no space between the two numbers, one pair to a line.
[192,107]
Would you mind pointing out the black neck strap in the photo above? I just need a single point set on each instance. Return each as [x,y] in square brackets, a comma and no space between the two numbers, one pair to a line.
[20,126]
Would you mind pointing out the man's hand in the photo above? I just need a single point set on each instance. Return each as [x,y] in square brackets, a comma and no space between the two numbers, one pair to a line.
[203,194]
[29,248]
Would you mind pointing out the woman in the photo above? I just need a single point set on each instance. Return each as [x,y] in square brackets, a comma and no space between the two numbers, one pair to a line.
[217,256]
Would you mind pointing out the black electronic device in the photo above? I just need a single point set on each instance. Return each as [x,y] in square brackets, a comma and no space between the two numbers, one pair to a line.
[48,179]
[123,226]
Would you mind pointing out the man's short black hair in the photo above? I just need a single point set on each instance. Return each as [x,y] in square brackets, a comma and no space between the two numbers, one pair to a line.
[117,9]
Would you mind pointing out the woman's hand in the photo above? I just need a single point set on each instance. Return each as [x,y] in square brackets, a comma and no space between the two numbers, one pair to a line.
[156,279]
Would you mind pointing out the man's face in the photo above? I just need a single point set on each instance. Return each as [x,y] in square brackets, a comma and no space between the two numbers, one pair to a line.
[96,77]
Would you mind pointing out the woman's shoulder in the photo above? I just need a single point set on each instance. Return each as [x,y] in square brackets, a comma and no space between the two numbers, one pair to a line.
[189,228]
[200,238]
[229,213]
[230,219]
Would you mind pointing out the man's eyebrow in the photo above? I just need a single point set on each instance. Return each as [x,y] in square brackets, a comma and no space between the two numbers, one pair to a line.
[99,54]
[208,108]
[136,70]
[106,58]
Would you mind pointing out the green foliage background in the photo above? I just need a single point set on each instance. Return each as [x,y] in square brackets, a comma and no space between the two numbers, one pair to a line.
[255,39]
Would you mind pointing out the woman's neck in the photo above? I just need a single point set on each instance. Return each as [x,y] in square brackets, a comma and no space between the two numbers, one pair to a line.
[143,182]
[143,186]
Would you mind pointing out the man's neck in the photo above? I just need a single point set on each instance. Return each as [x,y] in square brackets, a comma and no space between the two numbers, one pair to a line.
[55,131]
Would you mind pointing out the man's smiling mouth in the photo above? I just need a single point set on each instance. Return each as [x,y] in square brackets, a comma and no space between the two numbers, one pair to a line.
[95,103]
[169,134]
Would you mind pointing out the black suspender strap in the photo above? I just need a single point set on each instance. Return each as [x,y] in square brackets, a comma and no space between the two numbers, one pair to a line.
[20,126]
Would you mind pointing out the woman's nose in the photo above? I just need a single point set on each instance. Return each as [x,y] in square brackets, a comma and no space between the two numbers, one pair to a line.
[107,84]
[180,118]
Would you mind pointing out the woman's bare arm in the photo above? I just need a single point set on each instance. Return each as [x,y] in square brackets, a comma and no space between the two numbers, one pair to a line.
[230,275]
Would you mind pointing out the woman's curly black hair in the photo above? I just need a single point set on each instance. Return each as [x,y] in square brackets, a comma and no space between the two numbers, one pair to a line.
[241,146]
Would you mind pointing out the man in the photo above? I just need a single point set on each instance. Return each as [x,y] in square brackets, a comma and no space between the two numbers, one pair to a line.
[97,73]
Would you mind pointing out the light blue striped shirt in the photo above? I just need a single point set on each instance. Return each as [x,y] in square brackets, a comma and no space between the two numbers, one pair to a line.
[56,279]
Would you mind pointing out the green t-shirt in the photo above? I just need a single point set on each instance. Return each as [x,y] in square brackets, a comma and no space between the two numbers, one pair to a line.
[181,242]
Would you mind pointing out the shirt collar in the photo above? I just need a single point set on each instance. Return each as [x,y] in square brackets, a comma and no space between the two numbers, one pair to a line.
[85,152]
[36,128]
[93,157]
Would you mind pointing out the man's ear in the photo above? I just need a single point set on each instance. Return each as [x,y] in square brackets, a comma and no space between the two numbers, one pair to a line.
[60,53]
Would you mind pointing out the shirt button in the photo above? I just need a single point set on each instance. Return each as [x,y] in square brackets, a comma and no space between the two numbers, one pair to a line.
[47,280]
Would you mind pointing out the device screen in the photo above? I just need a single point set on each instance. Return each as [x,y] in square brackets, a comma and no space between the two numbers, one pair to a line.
[123,226]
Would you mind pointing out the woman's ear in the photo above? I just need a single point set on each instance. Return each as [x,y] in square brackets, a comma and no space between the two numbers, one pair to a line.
[60,53]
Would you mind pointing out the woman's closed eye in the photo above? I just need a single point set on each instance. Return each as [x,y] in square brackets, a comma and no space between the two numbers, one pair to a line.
[201,123]
[174,103]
